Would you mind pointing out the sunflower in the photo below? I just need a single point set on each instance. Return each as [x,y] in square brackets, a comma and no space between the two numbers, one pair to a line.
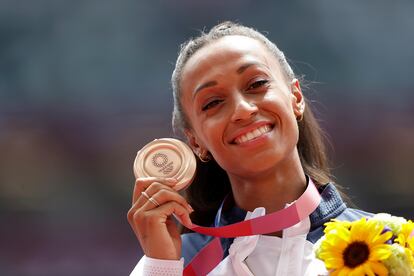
[406,238]
[357,249]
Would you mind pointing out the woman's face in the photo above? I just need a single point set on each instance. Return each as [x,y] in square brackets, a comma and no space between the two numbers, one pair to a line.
[240,106]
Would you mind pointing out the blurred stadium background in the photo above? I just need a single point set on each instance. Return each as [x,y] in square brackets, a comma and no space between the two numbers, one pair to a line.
[84,84]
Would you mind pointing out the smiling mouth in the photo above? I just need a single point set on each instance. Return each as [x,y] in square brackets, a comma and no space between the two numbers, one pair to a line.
[251,135]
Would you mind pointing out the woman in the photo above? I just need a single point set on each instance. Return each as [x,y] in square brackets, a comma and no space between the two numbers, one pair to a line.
[242,111]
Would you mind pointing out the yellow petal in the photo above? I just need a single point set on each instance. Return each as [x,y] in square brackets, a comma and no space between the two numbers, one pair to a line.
[330,254]
[400,239]
[334,242]
[333,263]
[382,238]
[333,224]
[379,268]
[375,231]
[339,232]
[380,252]
[359,271]
[410,242]
[359,230]
[344,271]
[367,270]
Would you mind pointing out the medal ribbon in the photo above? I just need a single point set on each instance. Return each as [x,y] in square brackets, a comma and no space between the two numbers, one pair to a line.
[211,255]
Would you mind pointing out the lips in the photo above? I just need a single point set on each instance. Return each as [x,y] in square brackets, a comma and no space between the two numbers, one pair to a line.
[252,133]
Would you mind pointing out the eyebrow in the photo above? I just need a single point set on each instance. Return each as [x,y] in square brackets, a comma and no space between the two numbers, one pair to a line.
[205,85]
[245,66]
[239,71]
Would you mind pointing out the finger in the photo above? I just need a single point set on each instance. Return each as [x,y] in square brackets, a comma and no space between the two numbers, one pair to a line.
[141,184]
[172,208]
[138,218]
[163,196]
[139,203]
[152,189]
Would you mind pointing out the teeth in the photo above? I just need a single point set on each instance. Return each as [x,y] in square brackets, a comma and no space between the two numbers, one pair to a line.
[253,134]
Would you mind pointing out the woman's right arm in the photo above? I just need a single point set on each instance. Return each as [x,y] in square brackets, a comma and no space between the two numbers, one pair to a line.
[152,221]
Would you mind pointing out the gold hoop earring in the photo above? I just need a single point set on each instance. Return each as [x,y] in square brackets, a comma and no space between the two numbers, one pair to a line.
[203,159]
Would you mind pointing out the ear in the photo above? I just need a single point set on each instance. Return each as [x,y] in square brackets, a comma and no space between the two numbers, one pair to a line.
[298,101]
[192,140]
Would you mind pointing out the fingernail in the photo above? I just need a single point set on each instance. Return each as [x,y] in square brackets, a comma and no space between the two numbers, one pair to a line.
[189,223]
[190,208]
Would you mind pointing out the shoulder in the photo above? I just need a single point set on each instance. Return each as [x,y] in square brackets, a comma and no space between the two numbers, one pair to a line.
[331,207]
[351,214]
[348,214]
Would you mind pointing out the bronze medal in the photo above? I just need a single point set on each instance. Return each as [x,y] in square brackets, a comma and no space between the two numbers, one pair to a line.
[166,158]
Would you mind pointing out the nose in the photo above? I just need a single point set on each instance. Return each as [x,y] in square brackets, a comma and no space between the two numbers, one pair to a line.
[243,109]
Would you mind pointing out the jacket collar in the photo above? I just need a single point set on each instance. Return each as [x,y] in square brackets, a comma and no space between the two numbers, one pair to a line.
[330,207]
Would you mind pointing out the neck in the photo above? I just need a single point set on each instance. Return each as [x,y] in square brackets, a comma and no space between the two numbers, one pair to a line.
[271,189]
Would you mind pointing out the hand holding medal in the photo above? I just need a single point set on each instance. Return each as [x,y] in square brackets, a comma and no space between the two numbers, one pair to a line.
[162,167]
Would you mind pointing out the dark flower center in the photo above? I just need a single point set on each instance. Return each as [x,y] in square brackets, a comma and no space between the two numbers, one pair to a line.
[355,254]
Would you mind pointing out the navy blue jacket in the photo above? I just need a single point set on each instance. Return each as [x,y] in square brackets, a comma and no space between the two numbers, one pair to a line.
[331,206]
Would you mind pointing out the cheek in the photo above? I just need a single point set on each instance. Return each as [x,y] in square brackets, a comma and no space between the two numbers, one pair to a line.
[278,103]
[211,134]
[214,134]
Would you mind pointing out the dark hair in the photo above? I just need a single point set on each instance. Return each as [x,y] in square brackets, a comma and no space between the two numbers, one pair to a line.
[211,183]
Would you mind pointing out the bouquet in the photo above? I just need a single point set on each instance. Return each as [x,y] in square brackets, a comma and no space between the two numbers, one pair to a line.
[380,245]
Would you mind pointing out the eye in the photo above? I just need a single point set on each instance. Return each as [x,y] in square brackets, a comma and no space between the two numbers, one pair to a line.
[258,84]
[211,104]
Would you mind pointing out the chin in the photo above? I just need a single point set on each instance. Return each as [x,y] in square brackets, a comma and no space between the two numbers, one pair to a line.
[251,166]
